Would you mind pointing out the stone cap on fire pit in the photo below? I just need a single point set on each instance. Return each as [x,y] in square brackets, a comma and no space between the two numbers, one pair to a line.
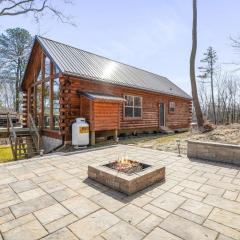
[126,183]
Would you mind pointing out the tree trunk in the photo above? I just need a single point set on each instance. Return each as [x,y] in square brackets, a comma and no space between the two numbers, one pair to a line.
[196,103]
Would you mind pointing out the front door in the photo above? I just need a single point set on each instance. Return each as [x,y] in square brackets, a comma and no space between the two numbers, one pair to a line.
[162,115]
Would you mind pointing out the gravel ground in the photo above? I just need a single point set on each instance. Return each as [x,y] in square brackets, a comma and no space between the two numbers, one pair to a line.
[224,134]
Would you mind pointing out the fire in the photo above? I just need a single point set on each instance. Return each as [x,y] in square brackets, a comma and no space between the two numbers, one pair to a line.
[123,162]
[125,165]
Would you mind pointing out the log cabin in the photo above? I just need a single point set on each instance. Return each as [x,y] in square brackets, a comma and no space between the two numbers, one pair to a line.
[62,83]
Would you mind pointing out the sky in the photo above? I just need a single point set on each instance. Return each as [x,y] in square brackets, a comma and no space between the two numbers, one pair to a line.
[154,35]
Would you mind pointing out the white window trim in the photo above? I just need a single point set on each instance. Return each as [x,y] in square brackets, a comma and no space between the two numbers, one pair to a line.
[133,117]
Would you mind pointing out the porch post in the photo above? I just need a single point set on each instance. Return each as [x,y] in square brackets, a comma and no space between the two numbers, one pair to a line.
[92,138]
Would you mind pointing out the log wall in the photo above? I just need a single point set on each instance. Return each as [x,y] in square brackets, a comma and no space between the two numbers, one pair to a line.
[70,105]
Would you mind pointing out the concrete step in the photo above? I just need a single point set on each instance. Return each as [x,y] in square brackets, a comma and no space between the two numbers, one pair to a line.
[166,130]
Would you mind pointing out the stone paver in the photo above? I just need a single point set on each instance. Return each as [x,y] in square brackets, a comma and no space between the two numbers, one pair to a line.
[149,223]
[159,233]
[52,198]
[94,224]
[222,237]
[122,231]
[62,234]
[197,208]
[22,186]
[157,211]
[128,214]
[226,204]
[189,215]
[51,213]
[80,206]
[108,202]
[63,194]
[222,229]
[32,205]
[226,218]
[186,229]
[211,190]
[16,223]
[61,222]
[29,231]
[30,194]
[168,201]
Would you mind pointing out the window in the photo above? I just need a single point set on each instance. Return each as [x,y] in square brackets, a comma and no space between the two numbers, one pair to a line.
[171,106]
[38,103]
[46,104]
[39,78]
[133,107]
[55,103]
[47,67]
[56,70]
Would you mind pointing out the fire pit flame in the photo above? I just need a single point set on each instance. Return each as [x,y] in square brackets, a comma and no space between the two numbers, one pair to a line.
[123,164]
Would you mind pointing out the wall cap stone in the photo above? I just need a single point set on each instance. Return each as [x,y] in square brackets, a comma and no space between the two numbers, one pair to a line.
[217,144]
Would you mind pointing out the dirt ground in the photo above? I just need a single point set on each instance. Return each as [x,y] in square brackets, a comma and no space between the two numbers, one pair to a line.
[224,134]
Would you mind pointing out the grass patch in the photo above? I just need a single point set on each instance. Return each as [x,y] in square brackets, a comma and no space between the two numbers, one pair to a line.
[5,154]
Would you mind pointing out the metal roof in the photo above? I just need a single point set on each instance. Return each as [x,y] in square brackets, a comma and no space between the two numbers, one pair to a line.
[102,96]
[77,62]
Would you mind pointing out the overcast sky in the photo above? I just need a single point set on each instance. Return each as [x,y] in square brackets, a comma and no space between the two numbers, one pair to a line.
[150,34]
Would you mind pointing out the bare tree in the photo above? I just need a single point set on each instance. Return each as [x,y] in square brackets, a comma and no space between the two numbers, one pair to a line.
[227,96]
[196,103]
[207,72]
[36,7]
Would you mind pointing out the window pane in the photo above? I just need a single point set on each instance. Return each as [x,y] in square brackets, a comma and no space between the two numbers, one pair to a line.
[56,103]
[46,104]
[137,101]
[171,106]
[129,101]
[137,112]
[128,111]
[47,67]
[56,70]
[38,103]
[39,78]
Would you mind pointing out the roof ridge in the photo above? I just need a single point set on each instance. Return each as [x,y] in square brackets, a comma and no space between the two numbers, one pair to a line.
[38,36]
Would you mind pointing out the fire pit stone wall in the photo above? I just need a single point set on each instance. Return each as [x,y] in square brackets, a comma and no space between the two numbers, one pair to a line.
[125,183]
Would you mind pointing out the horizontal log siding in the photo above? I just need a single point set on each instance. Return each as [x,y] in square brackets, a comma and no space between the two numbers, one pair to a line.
[105,116]
[181,118]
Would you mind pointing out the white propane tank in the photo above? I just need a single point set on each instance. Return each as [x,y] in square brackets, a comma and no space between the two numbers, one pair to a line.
[80,132]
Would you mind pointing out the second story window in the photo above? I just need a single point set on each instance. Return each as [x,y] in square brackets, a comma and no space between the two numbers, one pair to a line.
[47,67]
[133,107]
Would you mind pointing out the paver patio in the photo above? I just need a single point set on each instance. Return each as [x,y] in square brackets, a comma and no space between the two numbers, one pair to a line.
[51,198]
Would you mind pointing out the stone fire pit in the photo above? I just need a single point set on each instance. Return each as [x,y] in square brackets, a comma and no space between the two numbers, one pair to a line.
[126,176]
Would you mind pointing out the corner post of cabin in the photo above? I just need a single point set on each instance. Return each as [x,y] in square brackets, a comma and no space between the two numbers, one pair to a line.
[116,135]
[25,109]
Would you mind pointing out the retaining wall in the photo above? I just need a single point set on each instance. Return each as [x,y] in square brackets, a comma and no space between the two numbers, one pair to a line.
[217,152]
[50,143]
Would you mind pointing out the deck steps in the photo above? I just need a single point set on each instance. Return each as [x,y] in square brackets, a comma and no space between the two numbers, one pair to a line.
[23,145]
[25,142]
[166,130]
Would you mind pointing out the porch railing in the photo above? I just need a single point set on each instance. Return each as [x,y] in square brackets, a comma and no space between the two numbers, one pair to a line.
[12,135]
[34,132]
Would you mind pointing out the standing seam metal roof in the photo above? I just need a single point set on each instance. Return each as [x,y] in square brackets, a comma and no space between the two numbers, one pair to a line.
[77,62]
